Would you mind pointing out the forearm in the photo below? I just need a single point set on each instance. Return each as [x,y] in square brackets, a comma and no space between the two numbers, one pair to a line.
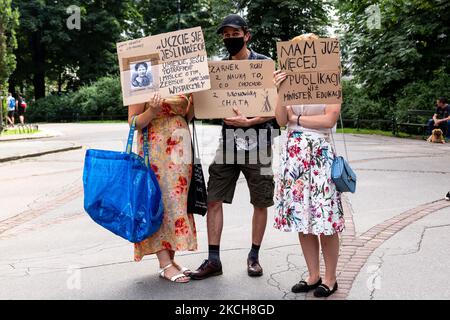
[281,114]
[327,120]
[313,122]
[258,120]
[143,119]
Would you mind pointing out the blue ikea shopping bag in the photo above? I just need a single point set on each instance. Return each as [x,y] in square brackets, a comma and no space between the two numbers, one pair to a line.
[121,192]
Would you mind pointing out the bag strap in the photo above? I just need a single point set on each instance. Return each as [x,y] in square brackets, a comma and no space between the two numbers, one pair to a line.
[146,148]
[195,141]
[343,136]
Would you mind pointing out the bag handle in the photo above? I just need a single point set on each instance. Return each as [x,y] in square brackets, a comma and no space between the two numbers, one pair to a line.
[129,147]
[195,142]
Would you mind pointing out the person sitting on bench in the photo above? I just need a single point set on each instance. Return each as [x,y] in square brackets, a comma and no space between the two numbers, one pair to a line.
[440,117]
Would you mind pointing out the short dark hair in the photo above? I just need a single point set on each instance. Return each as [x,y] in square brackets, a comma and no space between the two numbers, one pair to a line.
[136,67]
[442,100]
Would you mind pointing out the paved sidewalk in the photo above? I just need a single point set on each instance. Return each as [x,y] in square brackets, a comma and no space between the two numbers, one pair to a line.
[43,133]
[396,243]
[20,146]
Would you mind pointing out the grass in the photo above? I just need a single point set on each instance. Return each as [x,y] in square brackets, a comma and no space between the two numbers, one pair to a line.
[378,132]
[10,132]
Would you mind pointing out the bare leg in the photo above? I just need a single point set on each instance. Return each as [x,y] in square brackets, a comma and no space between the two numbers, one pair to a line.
[164,258]
[22,120]
[311,250]
[330,250]
[214,222]
[259,223]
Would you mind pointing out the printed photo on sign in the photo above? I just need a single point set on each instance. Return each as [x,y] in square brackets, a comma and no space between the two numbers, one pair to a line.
[141,76]
[170,63]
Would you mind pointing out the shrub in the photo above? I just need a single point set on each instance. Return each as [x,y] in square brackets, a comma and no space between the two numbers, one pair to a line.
[50,109]
[422,95]
[360,111]
[101,100]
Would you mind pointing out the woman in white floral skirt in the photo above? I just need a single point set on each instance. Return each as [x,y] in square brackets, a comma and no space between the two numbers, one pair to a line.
[307,201]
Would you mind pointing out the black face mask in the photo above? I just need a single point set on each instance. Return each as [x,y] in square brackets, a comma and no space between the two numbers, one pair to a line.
[234,45]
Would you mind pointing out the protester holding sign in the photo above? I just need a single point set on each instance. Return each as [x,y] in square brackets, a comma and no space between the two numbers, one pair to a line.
[307,201]
[248,139]
[171,161]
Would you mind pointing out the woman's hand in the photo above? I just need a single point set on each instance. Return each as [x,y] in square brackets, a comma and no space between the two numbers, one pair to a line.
[155,101]
[278,77]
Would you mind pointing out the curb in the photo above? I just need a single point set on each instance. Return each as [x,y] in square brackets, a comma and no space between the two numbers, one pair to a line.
[27,138]
[32,155]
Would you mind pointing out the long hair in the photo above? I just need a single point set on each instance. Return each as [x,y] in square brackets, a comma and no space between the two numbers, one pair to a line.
[306,36]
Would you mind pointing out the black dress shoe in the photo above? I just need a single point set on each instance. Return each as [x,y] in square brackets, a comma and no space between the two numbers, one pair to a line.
[207,269]
[303,286]
[254,269]
[324,291]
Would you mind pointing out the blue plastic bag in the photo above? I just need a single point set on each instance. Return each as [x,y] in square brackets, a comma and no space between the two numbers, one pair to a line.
[121,192]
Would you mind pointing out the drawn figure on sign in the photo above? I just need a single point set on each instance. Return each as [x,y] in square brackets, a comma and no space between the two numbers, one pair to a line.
[141,76]
[266,107]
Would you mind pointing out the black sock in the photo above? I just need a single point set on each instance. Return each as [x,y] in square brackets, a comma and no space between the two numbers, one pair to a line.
[214,254]
[254,252]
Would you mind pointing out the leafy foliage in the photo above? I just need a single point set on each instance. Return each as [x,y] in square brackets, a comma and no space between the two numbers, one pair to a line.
[9,21]
[281,20]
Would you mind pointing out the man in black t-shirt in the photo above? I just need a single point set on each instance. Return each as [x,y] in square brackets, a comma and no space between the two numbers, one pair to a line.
[442,115]
[245,147]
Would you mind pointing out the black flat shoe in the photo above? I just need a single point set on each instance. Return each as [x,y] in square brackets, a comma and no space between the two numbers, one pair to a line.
[303,286]
[324,291]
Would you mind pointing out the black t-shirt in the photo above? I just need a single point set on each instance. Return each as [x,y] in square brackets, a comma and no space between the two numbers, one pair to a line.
[248,138]
[442,113]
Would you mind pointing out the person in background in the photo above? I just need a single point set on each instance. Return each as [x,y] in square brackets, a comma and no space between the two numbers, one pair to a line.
[441,117]
[11,107]
[21,107]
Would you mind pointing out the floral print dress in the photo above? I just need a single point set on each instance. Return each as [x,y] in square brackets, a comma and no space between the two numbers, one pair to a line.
[177,231]
[306,198]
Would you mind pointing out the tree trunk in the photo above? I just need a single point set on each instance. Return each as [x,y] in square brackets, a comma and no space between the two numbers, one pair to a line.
[59,83]
[38,56]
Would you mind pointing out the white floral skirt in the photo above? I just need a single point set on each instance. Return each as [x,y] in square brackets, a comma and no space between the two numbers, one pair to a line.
[306,198]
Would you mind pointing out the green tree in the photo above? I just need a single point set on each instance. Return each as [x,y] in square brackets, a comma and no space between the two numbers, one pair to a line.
[281,20]
[51,52]
[412,43]
[9,21]
[161,16]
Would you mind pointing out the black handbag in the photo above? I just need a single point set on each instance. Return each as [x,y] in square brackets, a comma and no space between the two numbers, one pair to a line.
[197,196]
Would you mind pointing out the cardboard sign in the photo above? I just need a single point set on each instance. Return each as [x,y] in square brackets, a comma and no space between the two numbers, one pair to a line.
[245,84]
[313,70]
[170,63]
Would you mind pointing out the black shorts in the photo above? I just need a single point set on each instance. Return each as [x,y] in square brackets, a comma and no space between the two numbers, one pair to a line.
[11,113]
[21,111]
[224,176]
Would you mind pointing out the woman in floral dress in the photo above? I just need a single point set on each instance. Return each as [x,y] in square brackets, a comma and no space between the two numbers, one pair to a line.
[171,162]
[307,201]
